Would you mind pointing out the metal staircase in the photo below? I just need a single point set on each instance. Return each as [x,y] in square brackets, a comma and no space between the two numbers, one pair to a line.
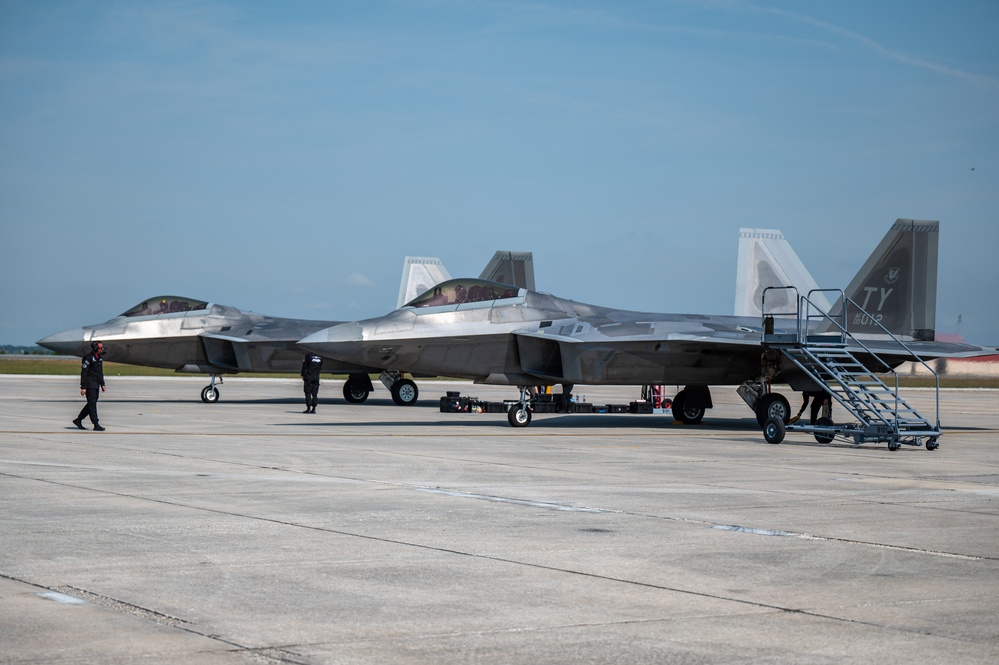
[853,374]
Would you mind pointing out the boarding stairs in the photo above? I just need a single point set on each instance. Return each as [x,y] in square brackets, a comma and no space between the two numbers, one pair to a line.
[854,375]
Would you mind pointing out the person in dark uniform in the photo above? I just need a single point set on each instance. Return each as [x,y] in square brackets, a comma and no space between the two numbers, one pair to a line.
[311,367]
[565,398]
[820,398]
[91,385]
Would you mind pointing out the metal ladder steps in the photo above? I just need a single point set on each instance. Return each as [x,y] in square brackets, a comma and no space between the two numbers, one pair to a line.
[869,395]
[825,363]
[852,368]
[851,389]
[908,422]
[829,371]
[887,405]
[843,374]
[884,406]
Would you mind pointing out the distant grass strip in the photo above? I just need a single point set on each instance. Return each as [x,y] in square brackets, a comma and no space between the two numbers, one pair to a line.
[71,367]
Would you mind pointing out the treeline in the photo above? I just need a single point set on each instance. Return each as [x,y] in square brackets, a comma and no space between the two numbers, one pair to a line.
[33,350]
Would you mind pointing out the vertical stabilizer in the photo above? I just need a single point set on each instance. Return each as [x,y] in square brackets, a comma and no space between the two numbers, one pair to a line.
[897,285]
[513,268]
[765,260]
[419,275]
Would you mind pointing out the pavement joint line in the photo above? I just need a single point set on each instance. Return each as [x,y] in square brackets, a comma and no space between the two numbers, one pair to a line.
[473,434]
[281,654]
[158,617]
[535,504]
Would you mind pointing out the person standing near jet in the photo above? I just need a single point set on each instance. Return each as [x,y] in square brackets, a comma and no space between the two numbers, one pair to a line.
[92,385]
[311,367]
[820,400]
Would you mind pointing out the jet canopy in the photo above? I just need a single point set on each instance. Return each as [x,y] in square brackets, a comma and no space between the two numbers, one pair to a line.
[459,291]
[165,305]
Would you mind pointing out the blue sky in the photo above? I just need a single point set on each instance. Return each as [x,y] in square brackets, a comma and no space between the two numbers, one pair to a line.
[285,157]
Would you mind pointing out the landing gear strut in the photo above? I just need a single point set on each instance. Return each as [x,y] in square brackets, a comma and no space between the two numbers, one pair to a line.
[210,394]
[404,391]
[519,414]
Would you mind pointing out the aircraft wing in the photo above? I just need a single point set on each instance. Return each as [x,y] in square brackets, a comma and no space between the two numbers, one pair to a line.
[716,355]
[244,354]
[639,353]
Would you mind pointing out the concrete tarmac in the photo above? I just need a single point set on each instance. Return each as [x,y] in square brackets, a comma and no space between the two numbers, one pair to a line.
[248,532]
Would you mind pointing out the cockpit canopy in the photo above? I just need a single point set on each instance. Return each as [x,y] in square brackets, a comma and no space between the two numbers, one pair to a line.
[165,305]
[459,291]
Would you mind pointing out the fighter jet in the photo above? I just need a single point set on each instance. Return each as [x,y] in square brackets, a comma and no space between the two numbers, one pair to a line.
[201,337]
[500,334]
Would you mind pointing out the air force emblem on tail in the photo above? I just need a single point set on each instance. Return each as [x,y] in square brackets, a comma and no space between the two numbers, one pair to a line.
[897,285]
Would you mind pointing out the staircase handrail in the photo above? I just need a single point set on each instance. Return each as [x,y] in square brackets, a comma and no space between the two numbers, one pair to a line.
[807,304]
[769,316]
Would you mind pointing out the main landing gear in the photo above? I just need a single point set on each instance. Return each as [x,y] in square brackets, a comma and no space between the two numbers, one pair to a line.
[356,388]
[772,405]
[765,404]
[689,404]
[404,391]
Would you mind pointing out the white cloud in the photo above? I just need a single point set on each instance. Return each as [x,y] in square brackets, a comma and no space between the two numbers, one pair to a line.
[357,279]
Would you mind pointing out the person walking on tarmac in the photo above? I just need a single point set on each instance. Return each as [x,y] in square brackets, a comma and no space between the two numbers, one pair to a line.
[311,367]
[92,385]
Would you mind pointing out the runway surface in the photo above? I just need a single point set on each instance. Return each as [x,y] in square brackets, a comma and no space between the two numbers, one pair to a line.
[248,532]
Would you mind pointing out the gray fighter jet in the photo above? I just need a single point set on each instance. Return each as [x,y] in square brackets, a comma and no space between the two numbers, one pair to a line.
[500,334]
[200,337]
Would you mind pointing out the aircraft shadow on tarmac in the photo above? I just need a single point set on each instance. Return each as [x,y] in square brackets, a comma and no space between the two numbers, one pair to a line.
[567,422]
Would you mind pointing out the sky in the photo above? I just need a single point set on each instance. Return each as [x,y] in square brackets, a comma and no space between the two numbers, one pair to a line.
[286,157]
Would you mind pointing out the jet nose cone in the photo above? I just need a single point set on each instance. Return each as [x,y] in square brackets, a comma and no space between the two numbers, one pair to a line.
[67,342]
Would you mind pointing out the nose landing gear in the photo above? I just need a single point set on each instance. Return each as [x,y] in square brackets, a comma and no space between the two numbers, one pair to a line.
[210,394]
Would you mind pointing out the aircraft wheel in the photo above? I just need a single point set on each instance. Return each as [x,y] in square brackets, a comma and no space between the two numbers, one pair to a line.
[774,430]
[688,415]
[772,405]
[354,392]
[824,422]
[210,395]
[405,392]
[519,415]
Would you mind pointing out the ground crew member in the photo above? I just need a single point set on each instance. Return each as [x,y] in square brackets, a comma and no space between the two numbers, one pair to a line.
[311,367]
[820,399]
[92,385]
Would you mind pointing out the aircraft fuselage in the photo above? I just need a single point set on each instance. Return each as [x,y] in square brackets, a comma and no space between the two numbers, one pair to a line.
[535,339]
[214,340]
